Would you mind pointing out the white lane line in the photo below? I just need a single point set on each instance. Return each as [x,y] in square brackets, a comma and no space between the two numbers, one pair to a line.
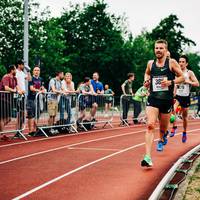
[82,167]
[81,133]
[61,136]
[67,146]
[74,171]
[93,149]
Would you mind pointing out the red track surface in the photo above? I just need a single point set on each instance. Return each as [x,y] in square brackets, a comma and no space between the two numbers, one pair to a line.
[100,165]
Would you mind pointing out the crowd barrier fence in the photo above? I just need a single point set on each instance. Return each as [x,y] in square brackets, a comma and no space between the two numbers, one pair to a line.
[95,109]
[55,113]
[131,110]
[12,113]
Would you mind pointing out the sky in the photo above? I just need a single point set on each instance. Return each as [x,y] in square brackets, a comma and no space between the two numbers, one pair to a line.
[146,14]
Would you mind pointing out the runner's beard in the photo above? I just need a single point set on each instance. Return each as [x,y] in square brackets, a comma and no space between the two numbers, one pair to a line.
[159,55]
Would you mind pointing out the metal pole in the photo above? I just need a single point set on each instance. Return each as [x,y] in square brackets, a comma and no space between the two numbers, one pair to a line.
[26,32]
[26,36]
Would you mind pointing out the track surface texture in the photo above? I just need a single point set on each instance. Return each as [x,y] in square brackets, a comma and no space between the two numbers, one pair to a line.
[101,165]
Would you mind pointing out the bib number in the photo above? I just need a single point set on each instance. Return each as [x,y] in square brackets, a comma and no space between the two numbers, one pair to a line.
[156,83]
[183,89]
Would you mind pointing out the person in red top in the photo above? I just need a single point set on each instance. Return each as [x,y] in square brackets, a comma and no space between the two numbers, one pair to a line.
[9,87]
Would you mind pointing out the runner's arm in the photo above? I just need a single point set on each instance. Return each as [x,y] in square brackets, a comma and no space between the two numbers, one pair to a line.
[174,66]
[177,70]
[147,74]
[193,80]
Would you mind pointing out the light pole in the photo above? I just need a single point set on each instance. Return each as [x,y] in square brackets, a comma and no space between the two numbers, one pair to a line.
[26,33]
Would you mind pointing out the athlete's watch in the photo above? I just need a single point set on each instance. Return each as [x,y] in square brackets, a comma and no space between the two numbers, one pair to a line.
[172,82]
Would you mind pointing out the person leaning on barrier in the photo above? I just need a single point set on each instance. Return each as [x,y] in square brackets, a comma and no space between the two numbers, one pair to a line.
[139,98]
[99,90]
[35,85]
[21,80]
[127,89]
[54,96]
[65,102]
[11,88]
[85,100]
[108,99]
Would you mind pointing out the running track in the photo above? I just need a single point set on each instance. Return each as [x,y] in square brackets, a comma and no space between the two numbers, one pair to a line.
[99,165]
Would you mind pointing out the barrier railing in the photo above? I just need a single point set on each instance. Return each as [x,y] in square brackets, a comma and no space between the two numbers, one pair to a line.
[131,110]
[193,107]
[55,113]
[94,109]
[12,113]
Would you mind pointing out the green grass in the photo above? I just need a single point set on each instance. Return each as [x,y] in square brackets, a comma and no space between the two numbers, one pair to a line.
[198,190]
[198,168]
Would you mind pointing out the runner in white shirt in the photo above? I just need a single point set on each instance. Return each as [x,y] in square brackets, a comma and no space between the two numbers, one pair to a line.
[182,92]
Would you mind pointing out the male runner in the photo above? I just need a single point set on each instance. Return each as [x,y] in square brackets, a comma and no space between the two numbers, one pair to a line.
[160,76]
[183,95]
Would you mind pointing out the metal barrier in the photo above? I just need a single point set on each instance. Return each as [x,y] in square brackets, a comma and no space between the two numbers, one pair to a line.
[54,111]
[12,113]
[94,109]
[129,105]
[193,107]
[168,176]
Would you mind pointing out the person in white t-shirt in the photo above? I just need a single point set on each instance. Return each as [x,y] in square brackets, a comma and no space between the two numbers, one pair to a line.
[21,80]
[67,86]
[21,76]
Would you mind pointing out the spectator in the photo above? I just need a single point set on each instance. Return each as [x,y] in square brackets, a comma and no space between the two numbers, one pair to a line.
[139,98]
[126,100]
[65,103]
[53,99]
[99,90]
[21,80]
[85,101]
[8,84]
[96,84]
[108,99]
[34,86]
[21,76]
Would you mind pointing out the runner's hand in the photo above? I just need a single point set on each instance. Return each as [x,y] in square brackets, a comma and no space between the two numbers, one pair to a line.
[165,83]
[147,83]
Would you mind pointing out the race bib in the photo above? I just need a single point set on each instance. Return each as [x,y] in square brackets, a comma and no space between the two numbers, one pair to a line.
[183,90]
[156,83]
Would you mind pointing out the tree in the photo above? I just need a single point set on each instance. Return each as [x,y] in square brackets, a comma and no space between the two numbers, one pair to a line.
[11,34]
[171,30]
[140,51]
[94,42]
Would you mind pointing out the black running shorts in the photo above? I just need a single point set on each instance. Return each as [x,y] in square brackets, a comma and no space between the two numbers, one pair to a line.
[183,101]
[164,106]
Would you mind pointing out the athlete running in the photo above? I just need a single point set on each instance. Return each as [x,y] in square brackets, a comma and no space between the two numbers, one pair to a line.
[183,95]
[160,76]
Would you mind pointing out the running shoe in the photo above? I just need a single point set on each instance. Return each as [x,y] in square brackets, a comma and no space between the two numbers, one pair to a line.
[160,145]
[165,140]
[184,137]
[173,132]
[146,162]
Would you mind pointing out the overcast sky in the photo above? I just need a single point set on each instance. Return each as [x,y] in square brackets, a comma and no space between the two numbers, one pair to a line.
[146,13]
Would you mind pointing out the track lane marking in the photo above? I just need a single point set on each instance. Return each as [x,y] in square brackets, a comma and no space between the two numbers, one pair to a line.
[61,136]
[70,145]
[83,167]
[93,149]
[81,133]
[74,171]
